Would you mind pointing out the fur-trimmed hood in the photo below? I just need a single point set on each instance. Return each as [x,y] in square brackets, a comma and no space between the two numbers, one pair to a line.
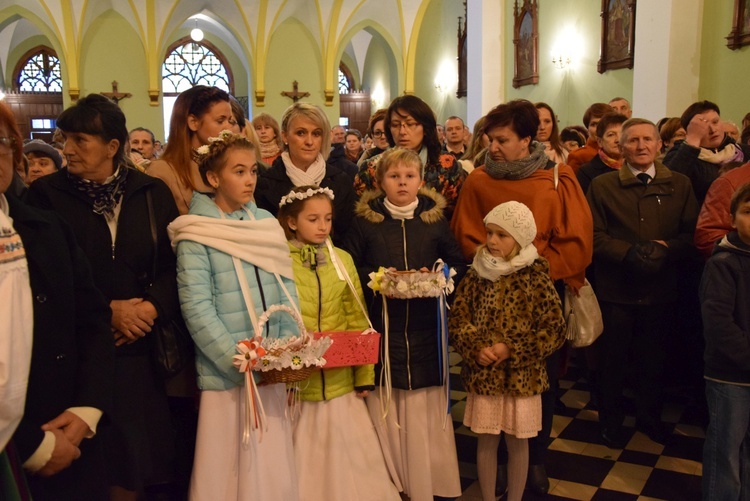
[429,209]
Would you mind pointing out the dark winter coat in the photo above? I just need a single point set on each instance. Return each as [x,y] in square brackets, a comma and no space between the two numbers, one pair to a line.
[72,356]
[274,183]
[725,296]
[627,213]
[122,272]
[375,240]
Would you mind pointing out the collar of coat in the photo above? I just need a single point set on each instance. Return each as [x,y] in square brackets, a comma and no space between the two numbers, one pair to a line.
[372,208]
[627,179]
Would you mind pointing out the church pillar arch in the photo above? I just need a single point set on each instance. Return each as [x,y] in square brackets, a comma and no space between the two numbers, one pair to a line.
[486,56]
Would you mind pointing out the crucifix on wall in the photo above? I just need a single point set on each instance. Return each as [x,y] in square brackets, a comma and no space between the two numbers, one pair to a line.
[115,95]
[295,94]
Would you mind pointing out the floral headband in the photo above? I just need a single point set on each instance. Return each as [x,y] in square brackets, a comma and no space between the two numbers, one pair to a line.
[301,195]
[223,136]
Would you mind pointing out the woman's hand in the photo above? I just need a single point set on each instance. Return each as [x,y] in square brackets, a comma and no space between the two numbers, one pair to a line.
[132,317]
[486,356]
[363,393]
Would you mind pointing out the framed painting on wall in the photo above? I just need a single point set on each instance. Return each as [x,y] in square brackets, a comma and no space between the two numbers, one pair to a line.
[618,35]
[525,44]
[740,34]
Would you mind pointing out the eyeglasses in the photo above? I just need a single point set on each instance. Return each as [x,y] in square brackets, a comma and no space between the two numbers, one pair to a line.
[6,145]
[378,133]
[408,125]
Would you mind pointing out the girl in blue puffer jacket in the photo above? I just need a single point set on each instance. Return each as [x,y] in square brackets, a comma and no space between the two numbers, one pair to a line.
[333,416]
[225,243]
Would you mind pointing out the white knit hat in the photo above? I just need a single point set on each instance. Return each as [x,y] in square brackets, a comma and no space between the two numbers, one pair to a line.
[516,219]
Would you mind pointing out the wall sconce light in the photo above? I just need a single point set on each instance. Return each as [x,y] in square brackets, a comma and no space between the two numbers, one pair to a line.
[560,61]
[378,96]
[196,34]
[446,77]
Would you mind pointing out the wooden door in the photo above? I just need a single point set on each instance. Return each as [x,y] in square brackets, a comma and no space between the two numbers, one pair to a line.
[356,107]
[28,106]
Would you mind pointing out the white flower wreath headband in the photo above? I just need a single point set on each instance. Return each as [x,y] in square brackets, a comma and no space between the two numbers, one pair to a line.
[301,195]
[223,136]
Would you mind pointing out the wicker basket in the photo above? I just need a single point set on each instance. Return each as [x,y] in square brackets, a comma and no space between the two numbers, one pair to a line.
[302,348]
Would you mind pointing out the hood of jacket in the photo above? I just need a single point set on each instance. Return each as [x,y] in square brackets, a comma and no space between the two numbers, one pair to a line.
[430,208]
[732,243]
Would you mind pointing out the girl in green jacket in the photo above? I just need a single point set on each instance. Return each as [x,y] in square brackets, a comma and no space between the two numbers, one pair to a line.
[337,453]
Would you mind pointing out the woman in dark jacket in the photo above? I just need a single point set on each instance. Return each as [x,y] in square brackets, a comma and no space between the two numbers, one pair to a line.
[107,205]
[307,142]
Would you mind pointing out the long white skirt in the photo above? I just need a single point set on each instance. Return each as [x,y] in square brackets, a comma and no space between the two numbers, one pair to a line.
[337,453]
[421,454]
[225,469]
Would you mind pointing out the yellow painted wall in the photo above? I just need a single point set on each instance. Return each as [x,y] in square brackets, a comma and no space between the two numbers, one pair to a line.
[112,50]
[437,52]
[380,71]
[576,24]
[292,56]
[724,73]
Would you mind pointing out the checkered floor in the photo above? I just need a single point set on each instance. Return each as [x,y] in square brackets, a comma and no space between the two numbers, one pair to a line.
[581,467]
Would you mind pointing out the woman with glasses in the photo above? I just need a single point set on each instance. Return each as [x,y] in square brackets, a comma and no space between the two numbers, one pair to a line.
[306,133]
[376,130]
[410,123]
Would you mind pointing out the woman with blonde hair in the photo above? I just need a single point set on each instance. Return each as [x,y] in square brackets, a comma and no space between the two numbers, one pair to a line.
[306,133]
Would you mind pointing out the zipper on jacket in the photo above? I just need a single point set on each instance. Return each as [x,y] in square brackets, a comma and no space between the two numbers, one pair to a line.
[320,308]
[406,322]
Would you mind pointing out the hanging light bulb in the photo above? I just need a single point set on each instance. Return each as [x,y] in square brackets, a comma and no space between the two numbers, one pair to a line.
[196,34]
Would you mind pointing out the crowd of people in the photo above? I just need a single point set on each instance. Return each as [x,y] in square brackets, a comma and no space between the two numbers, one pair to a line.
[105,241]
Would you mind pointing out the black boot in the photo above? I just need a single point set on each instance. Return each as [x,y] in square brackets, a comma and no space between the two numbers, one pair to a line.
[537,481]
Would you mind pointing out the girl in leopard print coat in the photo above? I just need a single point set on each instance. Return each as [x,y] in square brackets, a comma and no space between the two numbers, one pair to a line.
[506,319]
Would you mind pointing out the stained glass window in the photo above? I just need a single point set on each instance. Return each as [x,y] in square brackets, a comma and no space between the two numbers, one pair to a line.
[193,64]
[41,73]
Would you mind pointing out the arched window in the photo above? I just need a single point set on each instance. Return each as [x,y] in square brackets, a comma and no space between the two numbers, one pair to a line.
[346,82]
[191,63]
[38,71]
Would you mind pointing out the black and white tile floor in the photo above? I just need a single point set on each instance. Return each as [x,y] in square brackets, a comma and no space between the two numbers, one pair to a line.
[581,467]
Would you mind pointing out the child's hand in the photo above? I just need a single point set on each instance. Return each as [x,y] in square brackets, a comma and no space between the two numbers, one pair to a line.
[501,351]
[486,356]
[363,393]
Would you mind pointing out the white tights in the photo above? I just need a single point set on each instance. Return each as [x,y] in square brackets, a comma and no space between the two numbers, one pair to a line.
[518,465]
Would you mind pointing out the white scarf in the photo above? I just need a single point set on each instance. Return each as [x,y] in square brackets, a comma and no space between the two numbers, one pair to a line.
[405,212]
[312,176]
[259,242]
[16,325]
[491,268]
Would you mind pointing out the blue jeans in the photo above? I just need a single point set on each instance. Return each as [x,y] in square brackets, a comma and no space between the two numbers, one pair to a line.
[726,452]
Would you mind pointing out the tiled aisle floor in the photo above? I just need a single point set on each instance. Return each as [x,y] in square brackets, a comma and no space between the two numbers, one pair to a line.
[580,467]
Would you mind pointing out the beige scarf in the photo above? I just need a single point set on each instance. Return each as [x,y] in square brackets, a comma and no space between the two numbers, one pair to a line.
[312,176]
[259,242]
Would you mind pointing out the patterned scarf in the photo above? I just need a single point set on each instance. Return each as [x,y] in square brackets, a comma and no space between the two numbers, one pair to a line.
[609,161]
[269,149]
[518,169]
[103,196]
